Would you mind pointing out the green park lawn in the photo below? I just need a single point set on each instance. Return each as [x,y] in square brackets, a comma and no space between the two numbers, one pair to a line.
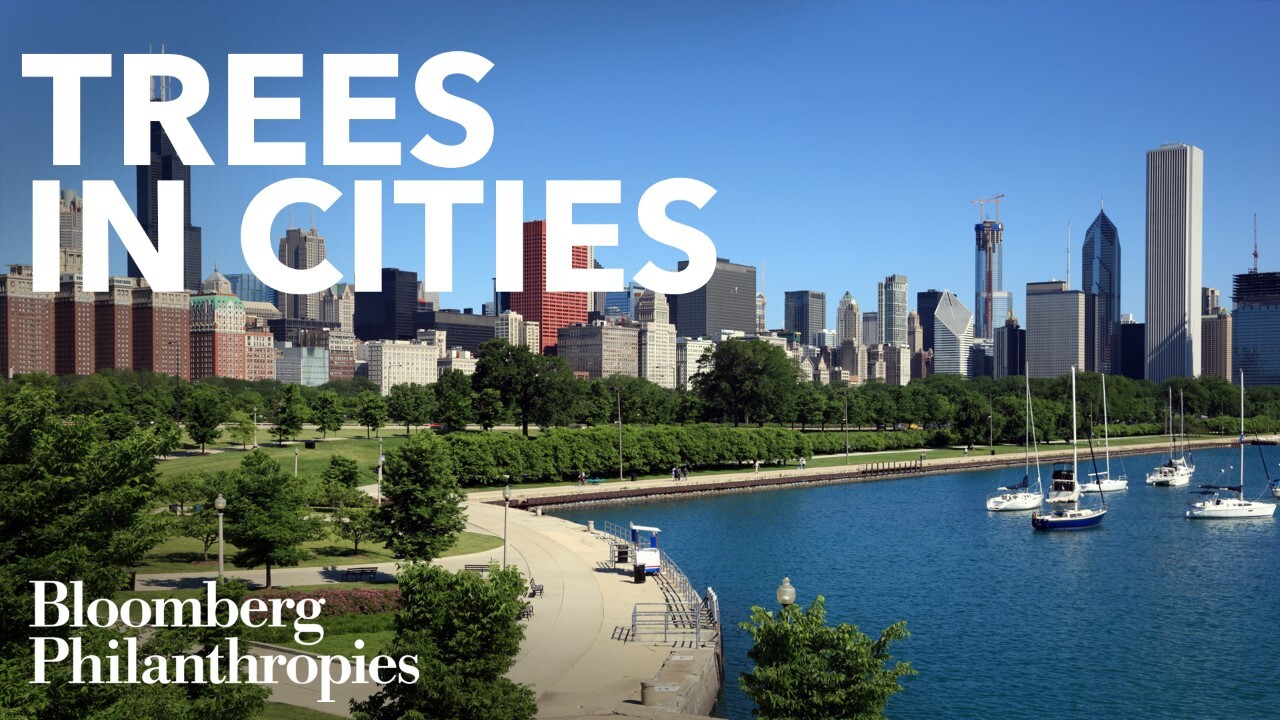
[310,462]
[340,635]
[281,711]
[181,554]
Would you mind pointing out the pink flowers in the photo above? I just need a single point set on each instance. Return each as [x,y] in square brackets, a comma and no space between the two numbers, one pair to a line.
[342,601]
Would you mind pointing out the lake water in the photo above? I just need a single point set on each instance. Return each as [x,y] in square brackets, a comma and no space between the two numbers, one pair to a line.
[1150,615]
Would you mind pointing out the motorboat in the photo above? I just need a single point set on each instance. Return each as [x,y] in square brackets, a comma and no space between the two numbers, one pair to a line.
[1227,502]
[1064,484]
[1021,496]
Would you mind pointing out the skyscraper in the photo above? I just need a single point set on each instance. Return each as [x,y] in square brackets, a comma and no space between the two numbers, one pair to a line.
[988,278]
[166,165]
[805,314]
[848,321]
[926,304]
[952,336]
[726,302]
[249,288]
[301,249]
[551,310]
[389,314]
[1100,281]
[1256,327]
[1174,202]
[1055,329]
[891,307]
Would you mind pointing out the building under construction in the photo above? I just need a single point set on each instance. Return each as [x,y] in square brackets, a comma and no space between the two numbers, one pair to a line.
[1256,327]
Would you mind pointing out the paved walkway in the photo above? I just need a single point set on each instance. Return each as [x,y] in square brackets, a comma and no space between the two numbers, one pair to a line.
[569,654]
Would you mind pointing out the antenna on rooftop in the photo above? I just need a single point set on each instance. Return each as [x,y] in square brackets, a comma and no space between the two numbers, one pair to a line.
[1068,254]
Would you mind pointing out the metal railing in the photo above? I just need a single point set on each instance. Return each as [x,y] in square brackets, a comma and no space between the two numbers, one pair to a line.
[686,610]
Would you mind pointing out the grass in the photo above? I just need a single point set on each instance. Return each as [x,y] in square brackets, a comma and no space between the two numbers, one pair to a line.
[310,462]
[180,554]
[199,593]
[281,711]
[340,635]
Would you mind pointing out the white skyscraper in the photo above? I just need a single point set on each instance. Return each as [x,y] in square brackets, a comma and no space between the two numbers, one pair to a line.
[848,321]
[1175,176]
[952,336]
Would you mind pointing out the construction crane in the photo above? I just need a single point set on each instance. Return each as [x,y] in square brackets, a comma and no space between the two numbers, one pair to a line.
[982,202]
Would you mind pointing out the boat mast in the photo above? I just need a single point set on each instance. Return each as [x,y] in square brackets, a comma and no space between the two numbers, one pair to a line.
[1182,423]
[1106,436]
[1169,423]
[1026,431]
[1242,434]
[1074,445]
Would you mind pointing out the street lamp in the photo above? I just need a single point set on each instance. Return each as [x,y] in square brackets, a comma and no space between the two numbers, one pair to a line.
[295,461]
[220,504]
[255,427]
[846,423]
[786,593]
[506,508]
[619,391]
[381,459]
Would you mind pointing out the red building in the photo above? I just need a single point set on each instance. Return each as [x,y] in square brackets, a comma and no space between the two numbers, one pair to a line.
[74,330]
[217,331]
[259,354]
[113,325]
[551,310]
[26,325]
[161,332]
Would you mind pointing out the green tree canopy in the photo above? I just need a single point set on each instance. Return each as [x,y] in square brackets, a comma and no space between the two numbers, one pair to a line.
[411,404]
[267,515]
[371,412]
[204,409]
[289,409]
[326,412]
[808,670]
[423,511]
[747,381]
[453,400]
[463,628]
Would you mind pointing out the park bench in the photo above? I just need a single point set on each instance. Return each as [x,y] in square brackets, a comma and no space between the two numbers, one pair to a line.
[526,612]
[477,568]
[535,589]
[595,481]
[360,573]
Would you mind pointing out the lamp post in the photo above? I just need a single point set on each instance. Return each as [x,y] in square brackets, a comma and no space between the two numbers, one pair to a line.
[786,595]
[991,423]
[506,507]
[381,459]
[220,504]
[619,391]
[846,423]
[295,461]
[255,427]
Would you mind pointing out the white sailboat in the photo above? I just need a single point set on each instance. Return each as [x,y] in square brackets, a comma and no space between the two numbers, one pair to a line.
[1103,482]
[1175,472]
[1064,482]
[1020,496]
[1218,502]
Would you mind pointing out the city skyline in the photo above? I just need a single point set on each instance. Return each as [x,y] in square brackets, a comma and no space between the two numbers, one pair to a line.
[795,185]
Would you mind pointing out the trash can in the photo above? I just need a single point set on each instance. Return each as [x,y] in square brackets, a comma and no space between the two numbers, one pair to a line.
[309,444]
[637,573]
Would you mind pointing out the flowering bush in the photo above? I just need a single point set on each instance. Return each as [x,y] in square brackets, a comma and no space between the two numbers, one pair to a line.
[340,601]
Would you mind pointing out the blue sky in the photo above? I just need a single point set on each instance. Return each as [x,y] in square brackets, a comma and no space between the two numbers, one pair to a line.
[844,139]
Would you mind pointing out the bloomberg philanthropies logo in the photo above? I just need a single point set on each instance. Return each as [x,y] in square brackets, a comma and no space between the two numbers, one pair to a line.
[213,667]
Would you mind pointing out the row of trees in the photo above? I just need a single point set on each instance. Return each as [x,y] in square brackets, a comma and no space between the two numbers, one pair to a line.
[741,382]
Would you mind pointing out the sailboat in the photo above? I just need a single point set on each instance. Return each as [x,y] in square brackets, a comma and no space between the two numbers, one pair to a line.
[1103,482]
[1217,505]
[1064,480]
[1020,496]
[1175,472]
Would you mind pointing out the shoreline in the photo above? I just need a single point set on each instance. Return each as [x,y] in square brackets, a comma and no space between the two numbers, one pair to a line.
[536,500]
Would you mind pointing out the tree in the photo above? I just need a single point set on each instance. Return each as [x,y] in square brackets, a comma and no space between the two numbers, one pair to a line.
[342,470]
[356,524]
[204,409]
[371,412]
[326,412]
[411,404]
[463,628]
[290,410]
[538,389]
[423,511]
[453,399]
[805,668]
[241,428]
[489,409]
[746,380]
[76,508]
[267,515]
